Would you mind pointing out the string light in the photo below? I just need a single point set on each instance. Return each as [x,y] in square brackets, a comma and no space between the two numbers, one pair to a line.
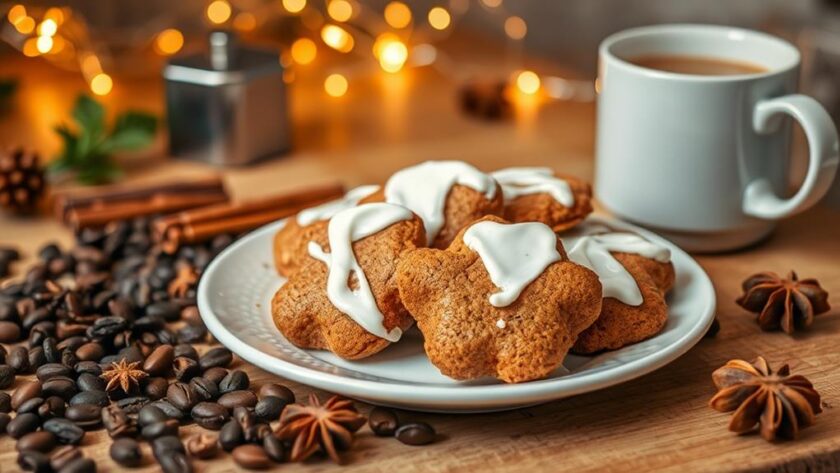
[25,25]
[294,6]
[397,14]
[335,85]
[392,56]
[245,21]
[47,27]
[16,13]
[101,84]
[381,41]
[218,11]
[337,38]
[492,3]
[44,44]
[515,27]
[304,51]
[528,82]
[30,47]
[55,14]
[340,10]
[439,18]
[169,41]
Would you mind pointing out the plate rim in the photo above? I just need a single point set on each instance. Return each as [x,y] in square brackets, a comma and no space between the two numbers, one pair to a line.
[449,397]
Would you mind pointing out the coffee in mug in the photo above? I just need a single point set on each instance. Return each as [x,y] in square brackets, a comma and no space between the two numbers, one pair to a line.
[696,65]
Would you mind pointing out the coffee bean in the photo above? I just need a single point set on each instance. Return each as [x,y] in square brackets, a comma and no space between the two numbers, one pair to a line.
[205,389]
[209,415]
[216,374]
[190,314]
[35,358]
[182,396]
[216,357]
[107,326]
[41,441]
[30,405]
[4,421]
[116,422]
[22,424]
[159,361]
[278,390]
[268,408]
[60,386]
[160,429]
[18,359]
[99,398]
[168,311]
[51,370]
[53,406]
[9,332]
[7,376]
[185,368]
[187,350]
[155,388]
[202,446]
[63,456]
[166,445]
[90,352]
[238,398]
[5,402]
[383,421]
[37,462]
[24,392]
[234,381]
[418,433]
[171,411]
[150,414]
[257,433]
[274,448]
[79,465]
[90,382]
[65,431]
[176,462]
[84,415]
[230,435]
[192,333]
[89,367]
[133,404]
[252,457]
[126,452]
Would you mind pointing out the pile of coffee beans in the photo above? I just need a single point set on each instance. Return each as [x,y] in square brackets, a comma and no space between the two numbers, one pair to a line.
[108,299]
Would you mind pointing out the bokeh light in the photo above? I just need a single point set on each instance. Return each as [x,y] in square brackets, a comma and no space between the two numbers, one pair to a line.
[397,14]
[528,82]
[335,85]
[44,44]
[25,25]
[90,65]
[439,18]
[304,51]
[219,11]
[47,27]
[392,56]
[16,13]
[337,38]
[294,6]
[55,14]
[340,10]
[169,41]
[515,27]
[30,47]
[492,3]
[101,84]
[245,21]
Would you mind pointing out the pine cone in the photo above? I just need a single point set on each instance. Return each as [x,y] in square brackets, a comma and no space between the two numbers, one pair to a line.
[21,180]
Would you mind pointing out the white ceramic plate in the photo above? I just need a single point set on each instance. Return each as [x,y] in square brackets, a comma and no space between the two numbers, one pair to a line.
[234,297]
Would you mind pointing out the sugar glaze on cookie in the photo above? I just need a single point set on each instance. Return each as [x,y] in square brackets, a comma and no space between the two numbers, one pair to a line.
[513,254]
[423,189]
[594,252]
[345,227]
[519,181]
[326,211]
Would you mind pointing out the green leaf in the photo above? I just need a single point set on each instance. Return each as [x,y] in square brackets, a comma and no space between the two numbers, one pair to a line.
[90,115]
[133,130]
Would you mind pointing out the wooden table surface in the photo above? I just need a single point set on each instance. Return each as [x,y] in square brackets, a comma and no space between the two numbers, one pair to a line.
[658,422]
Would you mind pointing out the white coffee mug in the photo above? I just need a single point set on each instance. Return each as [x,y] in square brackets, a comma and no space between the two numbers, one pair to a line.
[703,159]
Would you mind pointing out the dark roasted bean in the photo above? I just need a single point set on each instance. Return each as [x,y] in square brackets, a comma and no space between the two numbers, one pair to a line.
[159,362]
[167,444]
[268,408]
[277,390]
[230,435]
[383,421]
[216,374]
[90,352]
[150,414]
[176,462]
[185,368]
[202,446]
[155,388]
[53,406]
[36,358]
[219,356]
[168,311]
[65,431]
[238,398]
[182,396]
[126,452]
[42,441]
[30,405]
[107,326]
[7,376]
[117,423]
[60,386]
[84,415]
[133,404]
[5,402]
[192,333]
[187,350]
[252,457]
[9,332]
[63,456]
[4,421]
[159,429]
[99,398]
[18,359]
[79,465]
[36,462]
[89,367]
[274,448]
[168,409]
[131,354]
[22,424]
[25,392]
[90,382]
[205,389]
[209,415]
[51,351]
[418,433]
[51,370]
[234,381]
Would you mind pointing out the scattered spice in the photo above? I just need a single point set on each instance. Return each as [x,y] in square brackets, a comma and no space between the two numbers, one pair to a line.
[123,374]
[779,403]
[789,304]
[184,280]
[328,427]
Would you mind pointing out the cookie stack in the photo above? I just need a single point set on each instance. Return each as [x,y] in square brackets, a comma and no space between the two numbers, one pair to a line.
[494,269]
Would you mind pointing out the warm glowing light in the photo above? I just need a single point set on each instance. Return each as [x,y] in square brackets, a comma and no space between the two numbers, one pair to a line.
[397,14]
[30,47]
[340,10]
[492,3]
[381,41]
[218,11]
[47,28]
[423,54]
[44,44]
[101,84]
[337,38]
[169,41]
[59,44]
[304,51]
[528,82]
[91,66]
[55,14]
[16,13]
[335,85]
[439,18]
[294,6]
[392,56]
[245,21]
[25,25]
[515,27]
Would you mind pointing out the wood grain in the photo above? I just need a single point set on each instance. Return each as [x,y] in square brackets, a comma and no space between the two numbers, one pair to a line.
[658,422]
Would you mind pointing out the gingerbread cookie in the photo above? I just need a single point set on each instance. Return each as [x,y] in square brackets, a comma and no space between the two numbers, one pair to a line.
[503,300]
[446,195]
[635,275]
[534,194]
[344,298]
[290,243]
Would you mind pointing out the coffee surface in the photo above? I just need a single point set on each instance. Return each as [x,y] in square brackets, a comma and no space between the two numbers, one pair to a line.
[697,65]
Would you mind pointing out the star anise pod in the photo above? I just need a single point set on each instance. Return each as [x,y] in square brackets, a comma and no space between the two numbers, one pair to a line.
[184,280]
[787,303]
[123,374]
[780,403]
[328,427]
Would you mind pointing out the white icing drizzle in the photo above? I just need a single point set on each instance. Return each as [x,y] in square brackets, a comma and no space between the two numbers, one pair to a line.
[595,253]
[346,227]
[519,181]
[513,254]
[423,189]
[326,211]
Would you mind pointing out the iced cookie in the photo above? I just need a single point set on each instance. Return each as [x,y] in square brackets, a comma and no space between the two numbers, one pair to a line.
[344,298]
[635,275]
[503,300]
[290,243]
[535,194]
[446,195]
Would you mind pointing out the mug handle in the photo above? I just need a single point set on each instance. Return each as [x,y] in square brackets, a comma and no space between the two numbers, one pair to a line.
[759,199]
